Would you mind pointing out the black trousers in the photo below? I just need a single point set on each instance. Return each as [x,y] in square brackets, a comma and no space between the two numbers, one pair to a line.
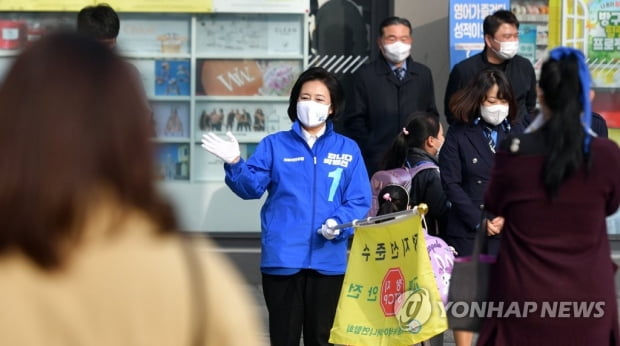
[304,301]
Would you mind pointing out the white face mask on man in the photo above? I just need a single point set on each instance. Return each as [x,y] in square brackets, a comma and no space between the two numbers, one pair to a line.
[311,113]
[396,52]
[495,114]
[507,49]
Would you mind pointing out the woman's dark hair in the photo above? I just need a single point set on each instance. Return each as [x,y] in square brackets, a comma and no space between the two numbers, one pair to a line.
[561,90]
[392,198]
[465,103]
[420,126]
[336,94]
[75,123]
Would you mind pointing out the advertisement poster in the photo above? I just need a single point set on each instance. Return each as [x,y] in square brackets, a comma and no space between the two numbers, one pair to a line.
[234,34]
[527,41]
[466,34]
[602,30]
[171,119]
[172,77]
[246,77]
[248,121]
[172,161]
[163,36]
[603,27]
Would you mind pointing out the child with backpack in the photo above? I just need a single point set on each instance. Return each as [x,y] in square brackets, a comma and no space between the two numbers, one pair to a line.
[412,160]
[391,199]
[394,198]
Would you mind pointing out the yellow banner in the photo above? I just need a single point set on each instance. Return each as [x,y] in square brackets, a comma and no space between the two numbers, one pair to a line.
[389,295]
[44,5]
[178,6]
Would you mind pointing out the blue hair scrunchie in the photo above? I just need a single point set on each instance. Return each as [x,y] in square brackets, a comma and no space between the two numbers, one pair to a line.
[584,76]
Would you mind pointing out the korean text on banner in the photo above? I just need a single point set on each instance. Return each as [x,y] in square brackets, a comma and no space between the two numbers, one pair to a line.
[389,295]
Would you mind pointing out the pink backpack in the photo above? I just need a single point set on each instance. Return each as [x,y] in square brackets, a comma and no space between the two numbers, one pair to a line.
[398,176]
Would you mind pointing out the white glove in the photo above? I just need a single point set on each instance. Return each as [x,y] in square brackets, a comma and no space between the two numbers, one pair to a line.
[328,231]
[225,150]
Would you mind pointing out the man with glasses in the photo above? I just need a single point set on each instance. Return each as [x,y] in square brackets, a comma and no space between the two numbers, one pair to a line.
[386,91]
[501,39]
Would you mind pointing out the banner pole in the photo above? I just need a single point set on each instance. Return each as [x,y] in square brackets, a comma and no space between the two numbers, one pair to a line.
[420,209]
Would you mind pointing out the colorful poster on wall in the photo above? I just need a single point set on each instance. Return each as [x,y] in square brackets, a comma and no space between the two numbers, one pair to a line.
[603,29]
[466,34]
[600,30]
[248,121]
[527,41]
[172,161]
[172,77]
[246,77]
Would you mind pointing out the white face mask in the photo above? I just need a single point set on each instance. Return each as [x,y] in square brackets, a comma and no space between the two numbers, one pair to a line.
[396,52]
[312,114]
[495,114]
[507,49]
[439,147]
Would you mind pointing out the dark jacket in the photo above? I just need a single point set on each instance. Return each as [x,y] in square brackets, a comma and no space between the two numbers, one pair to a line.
[518,70]
[465,164]
[381,105]
[426,188]
[599,125]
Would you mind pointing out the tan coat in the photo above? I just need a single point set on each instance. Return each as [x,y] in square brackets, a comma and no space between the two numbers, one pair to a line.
[129,288]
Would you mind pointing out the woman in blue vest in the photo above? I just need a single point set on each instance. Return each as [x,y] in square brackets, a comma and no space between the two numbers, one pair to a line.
[315,179]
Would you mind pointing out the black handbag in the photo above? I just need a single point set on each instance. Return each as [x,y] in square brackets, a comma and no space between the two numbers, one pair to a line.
[468,291]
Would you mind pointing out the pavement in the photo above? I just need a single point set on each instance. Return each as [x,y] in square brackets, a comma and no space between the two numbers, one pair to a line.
[256,292]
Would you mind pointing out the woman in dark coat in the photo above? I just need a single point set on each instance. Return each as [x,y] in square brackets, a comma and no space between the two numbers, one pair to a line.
[486,109]
[554,185]
[485,113]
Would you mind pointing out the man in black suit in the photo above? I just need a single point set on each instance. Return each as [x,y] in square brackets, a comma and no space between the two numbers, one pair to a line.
[501,40]
[386,92]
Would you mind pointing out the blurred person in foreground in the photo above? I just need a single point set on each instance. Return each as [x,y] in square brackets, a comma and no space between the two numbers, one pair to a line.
[89,254]
[554,185]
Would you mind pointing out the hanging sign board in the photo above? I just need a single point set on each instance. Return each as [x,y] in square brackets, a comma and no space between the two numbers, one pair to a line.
[44,5]
[261,6]
[466,17]
[178,6]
